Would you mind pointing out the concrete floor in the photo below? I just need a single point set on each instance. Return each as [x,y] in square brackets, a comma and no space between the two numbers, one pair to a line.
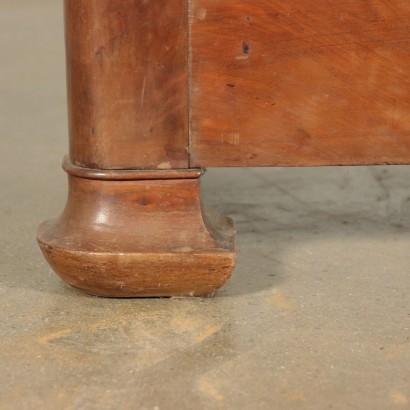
[316,316]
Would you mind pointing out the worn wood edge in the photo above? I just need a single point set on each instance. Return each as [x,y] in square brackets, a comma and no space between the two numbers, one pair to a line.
[129,174]
[199,269]
[172,270]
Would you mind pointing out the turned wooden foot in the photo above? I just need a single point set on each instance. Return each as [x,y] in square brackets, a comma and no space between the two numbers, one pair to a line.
[138,233]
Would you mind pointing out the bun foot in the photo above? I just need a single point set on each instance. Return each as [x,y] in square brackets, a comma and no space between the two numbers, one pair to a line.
[125,236]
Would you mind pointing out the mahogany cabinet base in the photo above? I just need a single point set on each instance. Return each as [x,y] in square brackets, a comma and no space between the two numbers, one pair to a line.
[125,236]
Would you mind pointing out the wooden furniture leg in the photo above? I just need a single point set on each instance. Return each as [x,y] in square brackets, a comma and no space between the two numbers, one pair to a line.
[157,88]
[134,224]
[138,233]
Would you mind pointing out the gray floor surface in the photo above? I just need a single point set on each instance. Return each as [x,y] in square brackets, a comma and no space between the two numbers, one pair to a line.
[316,316]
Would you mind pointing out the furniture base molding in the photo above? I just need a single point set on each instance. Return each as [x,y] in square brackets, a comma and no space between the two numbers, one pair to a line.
[121,235]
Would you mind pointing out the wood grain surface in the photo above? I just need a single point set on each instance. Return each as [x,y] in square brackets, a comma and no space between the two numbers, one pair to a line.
[127,83]
[300,82]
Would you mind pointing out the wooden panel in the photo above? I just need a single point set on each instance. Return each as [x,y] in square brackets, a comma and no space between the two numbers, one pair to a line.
[300,82]
[127,83]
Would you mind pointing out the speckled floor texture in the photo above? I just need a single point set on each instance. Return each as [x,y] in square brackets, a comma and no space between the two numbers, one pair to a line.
[316,316]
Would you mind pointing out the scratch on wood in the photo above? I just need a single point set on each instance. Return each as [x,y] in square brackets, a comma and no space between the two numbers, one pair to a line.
[143,90]
[202,14]
[231,138]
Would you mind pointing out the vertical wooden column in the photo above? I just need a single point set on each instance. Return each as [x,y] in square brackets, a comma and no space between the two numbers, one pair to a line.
[134,224]
[127,83]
